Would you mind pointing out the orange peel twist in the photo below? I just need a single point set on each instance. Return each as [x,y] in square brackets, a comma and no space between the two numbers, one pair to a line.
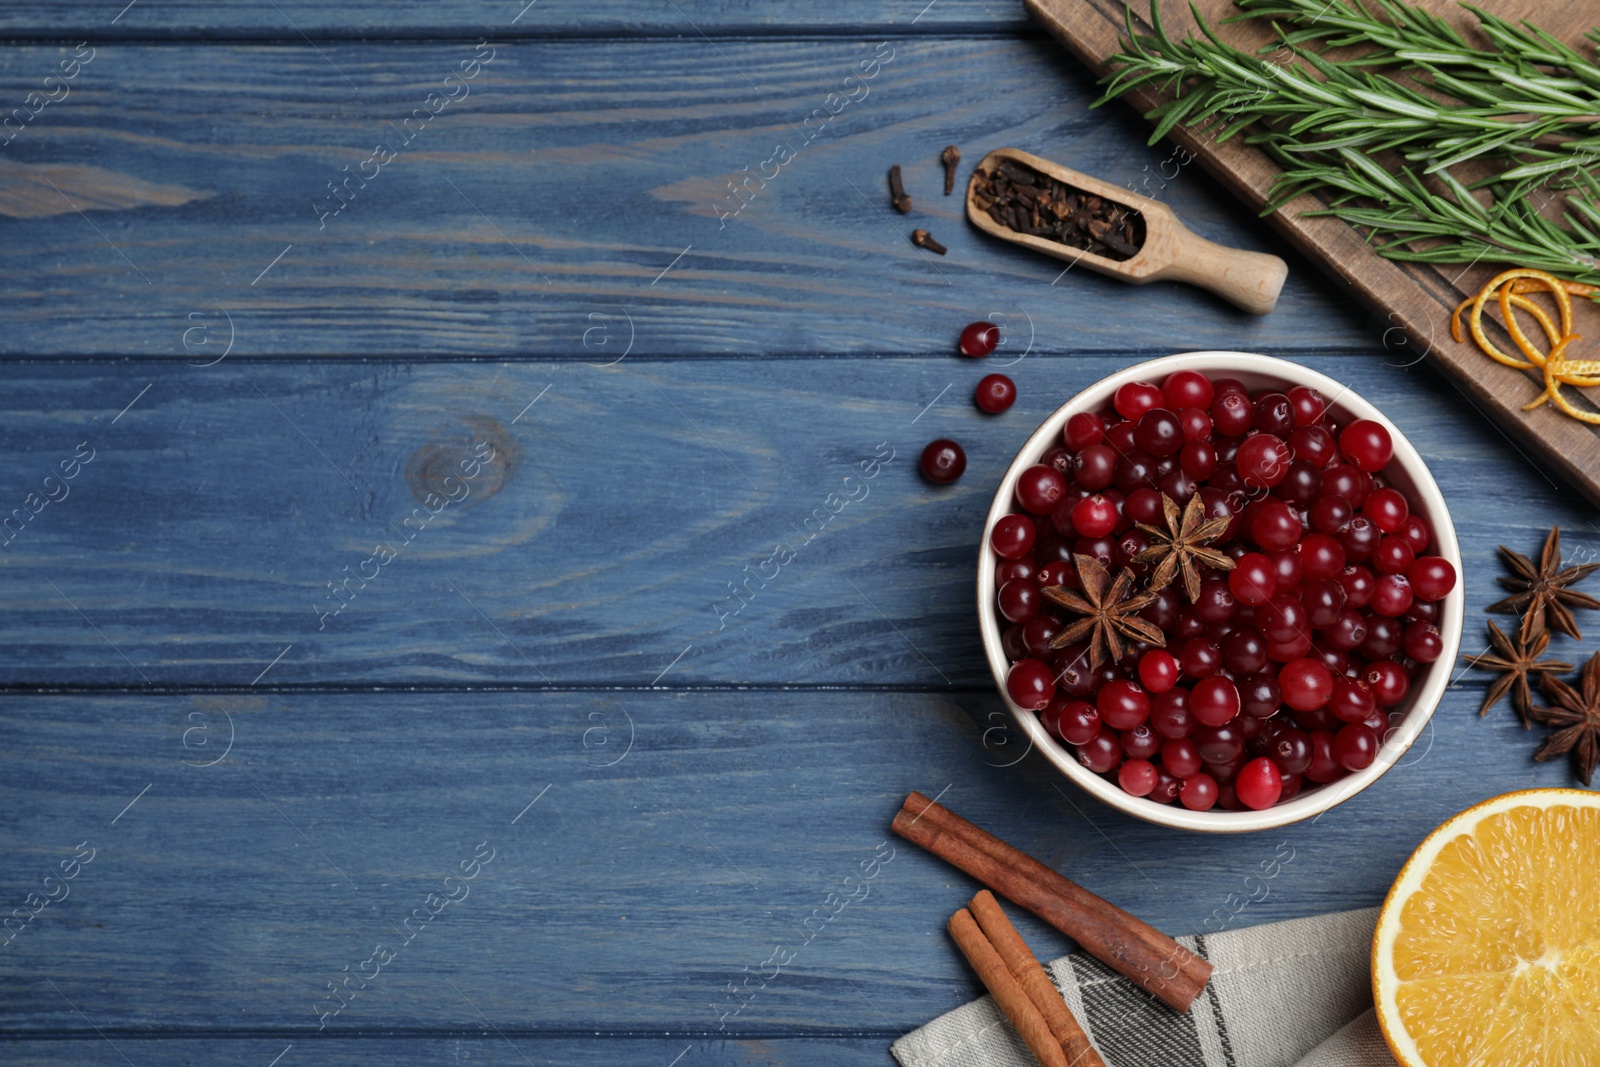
[1557,370]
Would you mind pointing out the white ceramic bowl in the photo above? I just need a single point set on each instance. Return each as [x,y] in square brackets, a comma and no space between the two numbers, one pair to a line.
[1406,472]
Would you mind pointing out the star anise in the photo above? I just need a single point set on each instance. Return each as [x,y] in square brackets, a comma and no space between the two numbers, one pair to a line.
[1109,613]
[1540,593]
[1517,660]
[1577,718]
[1181,546]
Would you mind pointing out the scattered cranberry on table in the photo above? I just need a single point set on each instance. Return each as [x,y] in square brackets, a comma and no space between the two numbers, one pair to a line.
[995,393]
[1312,603]
[943,461]
[979,339]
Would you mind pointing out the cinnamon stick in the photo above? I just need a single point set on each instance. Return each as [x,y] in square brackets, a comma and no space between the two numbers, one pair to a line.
[1002,985]
[1127,945]
[1019,959]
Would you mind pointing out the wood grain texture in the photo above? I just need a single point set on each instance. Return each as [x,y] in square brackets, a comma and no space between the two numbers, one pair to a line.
[1416,298]
[629,896]
[201,539]
[575,181]
[288,20]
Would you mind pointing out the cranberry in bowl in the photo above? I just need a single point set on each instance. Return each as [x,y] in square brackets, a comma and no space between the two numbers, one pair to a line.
[1220,591]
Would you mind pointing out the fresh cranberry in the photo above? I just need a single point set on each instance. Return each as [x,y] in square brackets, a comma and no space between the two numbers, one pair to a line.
[1291,750]
[943,461]
[1306,684]
[1140,742]
[995,393]
[1158,671]
[1263,461]
[1094,516]
[1275,525]
[1253,579]
[1039,488]
[1199,792]
[1272,414]
[1231,414]
[1196,424]
[1030,684]
[1244,651]
[1415,531]
[1352,699]
[1082,430]
[1360,539]
[1388,681]
[1432,578]
[1321,555]
[1180,756]
[1214,701]
[1347,631]
[1011,569]
[1393,556]
[1119,435]
[1200,658]
[1019,601]
[1359,585]
[1137,777]
[1323,599]
[1324,767]
[1122,705]
[1330,513]
[1038,632]
[1345,482]
[1258,784]
[1187,389]
[1012,536]
[979,339]
[1355,746]
[1133,399]
[1095,466]
[1170,715]
[1260,696]
[1308,403]
[1301,485]
[1385,636]
[1367,444]
[1101,752]
[1423,642]
[1158,433]
[1387,508]
[1079,721]
[1392,595]
[1313,444]
[1219,744]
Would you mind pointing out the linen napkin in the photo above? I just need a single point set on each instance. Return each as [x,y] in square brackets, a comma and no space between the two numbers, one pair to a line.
[1286,994]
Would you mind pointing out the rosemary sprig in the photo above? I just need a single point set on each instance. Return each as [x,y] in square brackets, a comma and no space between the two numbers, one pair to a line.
[1529,108]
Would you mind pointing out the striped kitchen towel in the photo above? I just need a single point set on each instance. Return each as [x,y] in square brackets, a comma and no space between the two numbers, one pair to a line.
[1287,994]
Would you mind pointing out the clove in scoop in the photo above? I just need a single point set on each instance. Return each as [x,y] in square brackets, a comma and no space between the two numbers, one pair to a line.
[897,192]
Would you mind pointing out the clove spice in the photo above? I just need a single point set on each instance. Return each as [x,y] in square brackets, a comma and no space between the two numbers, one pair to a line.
[1024,200]
[924,239]
[897,192]
[950,157]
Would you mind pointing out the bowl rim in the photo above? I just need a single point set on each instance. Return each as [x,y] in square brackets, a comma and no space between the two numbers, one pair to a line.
[1424,698]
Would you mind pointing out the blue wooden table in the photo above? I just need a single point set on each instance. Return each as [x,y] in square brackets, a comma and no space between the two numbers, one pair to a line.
[532,770]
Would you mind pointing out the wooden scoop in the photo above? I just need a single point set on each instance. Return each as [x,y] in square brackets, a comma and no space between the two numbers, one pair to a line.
[1170,252]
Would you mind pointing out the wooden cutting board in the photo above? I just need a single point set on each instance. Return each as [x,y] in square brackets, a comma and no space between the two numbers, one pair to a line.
[1416,299]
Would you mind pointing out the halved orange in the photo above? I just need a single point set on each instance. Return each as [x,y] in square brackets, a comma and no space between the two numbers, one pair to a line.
[1487,950]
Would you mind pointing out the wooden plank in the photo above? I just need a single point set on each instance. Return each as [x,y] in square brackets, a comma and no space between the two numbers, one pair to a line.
[599,545]
[491,1046]
[287,20]
[572,181]
[1416,298]
[628,896]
